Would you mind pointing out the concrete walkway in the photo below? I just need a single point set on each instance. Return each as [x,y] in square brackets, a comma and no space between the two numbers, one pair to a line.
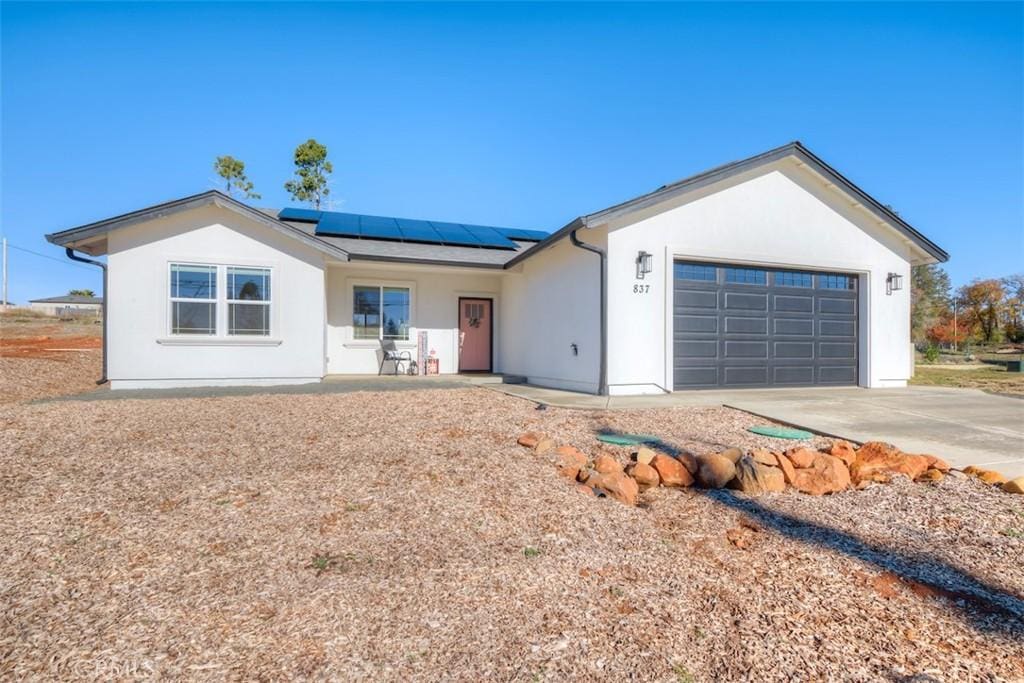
[963,426]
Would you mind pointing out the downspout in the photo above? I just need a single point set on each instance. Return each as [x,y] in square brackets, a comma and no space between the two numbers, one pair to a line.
[602,382]
[103,307]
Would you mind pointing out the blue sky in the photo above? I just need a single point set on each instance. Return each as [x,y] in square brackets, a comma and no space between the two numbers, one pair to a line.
[520,115]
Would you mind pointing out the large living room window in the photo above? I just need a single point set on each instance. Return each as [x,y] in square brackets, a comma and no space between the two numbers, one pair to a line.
[210,299]
[380,312]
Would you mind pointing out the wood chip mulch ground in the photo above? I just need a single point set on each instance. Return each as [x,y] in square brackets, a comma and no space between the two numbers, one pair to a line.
[405,536]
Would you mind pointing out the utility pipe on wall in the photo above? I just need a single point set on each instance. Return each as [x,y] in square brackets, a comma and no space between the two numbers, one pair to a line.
[103,307]
[602,382]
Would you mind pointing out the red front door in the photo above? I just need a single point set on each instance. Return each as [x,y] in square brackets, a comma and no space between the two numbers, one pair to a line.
[475,327]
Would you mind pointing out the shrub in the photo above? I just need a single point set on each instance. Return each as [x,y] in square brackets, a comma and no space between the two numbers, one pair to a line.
[931,353]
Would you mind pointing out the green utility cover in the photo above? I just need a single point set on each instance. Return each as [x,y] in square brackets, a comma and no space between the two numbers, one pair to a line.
[780,432]
[626,439]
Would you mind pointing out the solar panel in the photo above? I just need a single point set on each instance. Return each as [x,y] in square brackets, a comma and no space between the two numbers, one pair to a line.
[300,215]
[409,230]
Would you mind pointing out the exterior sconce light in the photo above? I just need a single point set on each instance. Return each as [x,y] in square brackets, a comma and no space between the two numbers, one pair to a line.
[644,264]
[893,283]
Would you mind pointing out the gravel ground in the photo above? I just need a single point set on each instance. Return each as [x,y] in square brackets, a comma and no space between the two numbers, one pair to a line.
[324,537]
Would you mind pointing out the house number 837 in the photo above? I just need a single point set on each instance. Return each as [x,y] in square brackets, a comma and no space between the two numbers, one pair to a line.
[641,289]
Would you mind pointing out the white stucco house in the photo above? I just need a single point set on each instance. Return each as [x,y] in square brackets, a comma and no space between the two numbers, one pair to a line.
[772,271]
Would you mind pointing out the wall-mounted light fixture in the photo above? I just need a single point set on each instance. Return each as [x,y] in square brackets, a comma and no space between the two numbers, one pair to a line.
[644,264]
[893,283]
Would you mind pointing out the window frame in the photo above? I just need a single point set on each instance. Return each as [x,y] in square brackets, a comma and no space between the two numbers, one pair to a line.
[221,303]
[380,286]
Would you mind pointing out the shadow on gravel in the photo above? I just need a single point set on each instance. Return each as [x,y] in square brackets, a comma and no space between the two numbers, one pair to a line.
[987,608]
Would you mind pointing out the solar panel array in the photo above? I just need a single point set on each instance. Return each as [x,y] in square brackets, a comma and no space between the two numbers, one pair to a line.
[332,223]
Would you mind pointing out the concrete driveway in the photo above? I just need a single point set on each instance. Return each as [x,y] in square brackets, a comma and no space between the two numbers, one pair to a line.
[963,426]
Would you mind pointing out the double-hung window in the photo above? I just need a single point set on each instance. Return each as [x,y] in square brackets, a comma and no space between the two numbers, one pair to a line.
[380,312]
[216,300]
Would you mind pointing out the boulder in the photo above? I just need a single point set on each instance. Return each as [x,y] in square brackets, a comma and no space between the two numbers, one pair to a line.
[585,490]
[529,439]
[734,454]
[936,463]
[931,475]
[844,451]
[1014,485]
[545,445]
[827,474]
[755,478]
[570,461]
[877,461]
[646,476]
[985,476]
[801,456]
[765,458]
[645,455]
[606,464]
[715,471]
[671,471]
[689,462]
[616,485]
[788,471]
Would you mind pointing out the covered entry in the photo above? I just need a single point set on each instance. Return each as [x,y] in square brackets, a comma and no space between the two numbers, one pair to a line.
[742,326]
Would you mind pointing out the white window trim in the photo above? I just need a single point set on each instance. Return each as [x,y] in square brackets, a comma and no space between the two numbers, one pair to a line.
[221,336]
[351,341]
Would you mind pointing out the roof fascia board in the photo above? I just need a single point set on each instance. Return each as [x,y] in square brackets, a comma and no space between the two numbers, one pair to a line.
[210,198]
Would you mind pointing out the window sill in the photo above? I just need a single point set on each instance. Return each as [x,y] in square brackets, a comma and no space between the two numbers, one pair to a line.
[218,341]
[374,344]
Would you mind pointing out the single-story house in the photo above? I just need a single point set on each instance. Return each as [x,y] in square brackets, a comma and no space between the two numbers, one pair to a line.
[773,271]
[68,305]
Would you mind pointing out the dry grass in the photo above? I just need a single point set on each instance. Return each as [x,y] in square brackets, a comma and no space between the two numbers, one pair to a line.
[316,536]
[990,378]
[41,357]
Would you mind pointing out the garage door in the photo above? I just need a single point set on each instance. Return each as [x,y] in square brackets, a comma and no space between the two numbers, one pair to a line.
[737,326]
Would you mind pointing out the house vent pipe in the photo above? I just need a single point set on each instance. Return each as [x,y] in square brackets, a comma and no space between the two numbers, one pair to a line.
[103,307]
[602,381]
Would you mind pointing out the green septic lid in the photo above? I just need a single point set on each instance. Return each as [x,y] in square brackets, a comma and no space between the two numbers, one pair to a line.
[627,439]
[780,432]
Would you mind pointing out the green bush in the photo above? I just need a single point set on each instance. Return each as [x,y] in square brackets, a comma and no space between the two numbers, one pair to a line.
[931,354]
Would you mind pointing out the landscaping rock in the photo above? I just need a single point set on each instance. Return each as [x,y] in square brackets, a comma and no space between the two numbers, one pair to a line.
[1014,485]
[877,461]
[801,456]
[671,471]
[545,445]
[755,478]
[529,439]
[689,462]
[985,476]
[788,471]
[827,474]
[845,451]
[715,471]
[734,454]
[570,461]
[936,463]
[765,458]
[606,464]
[645,455]
[931,475]
[585,490]
[646,476]
[615,484]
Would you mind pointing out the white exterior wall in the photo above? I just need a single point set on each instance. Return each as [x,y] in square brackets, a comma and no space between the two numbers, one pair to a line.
[780,215]
[552,300]
[434,305]
[142,351]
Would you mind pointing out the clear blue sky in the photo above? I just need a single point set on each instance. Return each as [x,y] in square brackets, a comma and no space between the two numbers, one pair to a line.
[520,115]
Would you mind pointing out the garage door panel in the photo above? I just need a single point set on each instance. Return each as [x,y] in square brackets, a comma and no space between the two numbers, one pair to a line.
[742,301]
[738,325]
[745,349]
[696,323]
[791,328]
[793,304]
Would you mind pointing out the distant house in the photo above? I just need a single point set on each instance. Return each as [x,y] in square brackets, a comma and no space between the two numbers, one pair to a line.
[772,271]
[69,304]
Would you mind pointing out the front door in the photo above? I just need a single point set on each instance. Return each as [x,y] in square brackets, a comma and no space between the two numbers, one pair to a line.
[475,328]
